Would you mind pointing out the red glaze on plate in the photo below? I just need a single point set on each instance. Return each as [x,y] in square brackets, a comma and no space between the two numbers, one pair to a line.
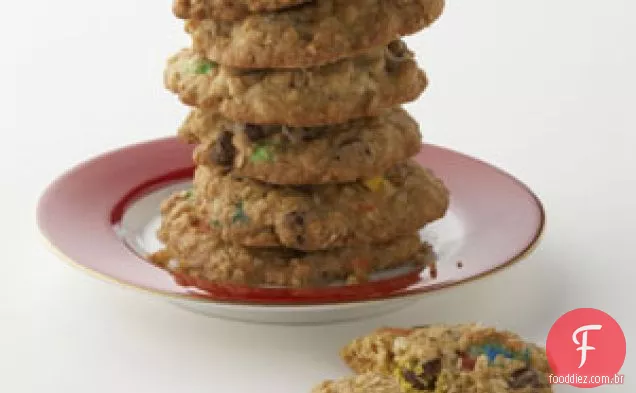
[501,218]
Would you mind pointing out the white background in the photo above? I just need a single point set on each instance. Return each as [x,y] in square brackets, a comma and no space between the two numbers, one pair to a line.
[545,89]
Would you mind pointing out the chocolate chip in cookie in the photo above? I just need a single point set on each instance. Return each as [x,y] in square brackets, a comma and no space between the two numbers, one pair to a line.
[256,132]
[295,218]
[414,381]
[431,369]
[311,133]
[303,188]
[349,141]
[467,361]
[396,52]
[223,151]
[426,379]
[295,221]
[525,377]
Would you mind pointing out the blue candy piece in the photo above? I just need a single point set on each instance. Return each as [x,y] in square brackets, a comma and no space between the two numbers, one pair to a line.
[491,351]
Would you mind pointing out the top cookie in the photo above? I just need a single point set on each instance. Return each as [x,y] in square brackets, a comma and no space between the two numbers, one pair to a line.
[227,9]
[314,34]
[467,358]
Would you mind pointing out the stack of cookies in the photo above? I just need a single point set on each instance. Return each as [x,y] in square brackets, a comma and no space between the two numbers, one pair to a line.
[304,173]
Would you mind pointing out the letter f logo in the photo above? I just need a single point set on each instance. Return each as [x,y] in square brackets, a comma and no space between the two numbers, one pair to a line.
[583,344]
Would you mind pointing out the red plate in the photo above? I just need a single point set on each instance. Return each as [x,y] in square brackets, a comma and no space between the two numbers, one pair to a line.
[493,220]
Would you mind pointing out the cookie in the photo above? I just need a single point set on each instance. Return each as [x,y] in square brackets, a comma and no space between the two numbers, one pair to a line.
[336,93]
[227,9]
[364,383]
[316,217]
[467,358]
[346,152]
[320,32]
[195,251]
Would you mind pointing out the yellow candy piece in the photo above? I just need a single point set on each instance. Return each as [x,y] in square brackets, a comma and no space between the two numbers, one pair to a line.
[375,184]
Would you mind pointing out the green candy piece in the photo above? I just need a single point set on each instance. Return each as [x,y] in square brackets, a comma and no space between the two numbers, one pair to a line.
[239,216]
[203,66]
[525,355]
[261,154]
[189,194]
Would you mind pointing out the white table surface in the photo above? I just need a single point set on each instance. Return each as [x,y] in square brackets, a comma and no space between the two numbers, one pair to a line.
[545,89]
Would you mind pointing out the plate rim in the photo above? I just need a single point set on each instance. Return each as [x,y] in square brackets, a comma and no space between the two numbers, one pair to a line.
[528,249]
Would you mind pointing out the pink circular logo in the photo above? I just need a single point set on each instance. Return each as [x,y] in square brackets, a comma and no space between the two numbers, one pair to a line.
[586,348]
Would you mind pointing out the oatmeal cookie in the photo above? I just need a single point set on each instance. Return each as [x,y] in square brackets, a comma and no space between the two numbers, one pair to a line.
[192,249]
[467,358]
[310,35]
[227,9]
[336,93]
[346,152]
[364,383]
[316,217]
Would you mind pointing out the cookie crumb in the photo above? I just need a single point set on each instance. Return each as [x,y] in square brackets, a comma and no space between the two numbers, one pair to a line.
[432,271]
